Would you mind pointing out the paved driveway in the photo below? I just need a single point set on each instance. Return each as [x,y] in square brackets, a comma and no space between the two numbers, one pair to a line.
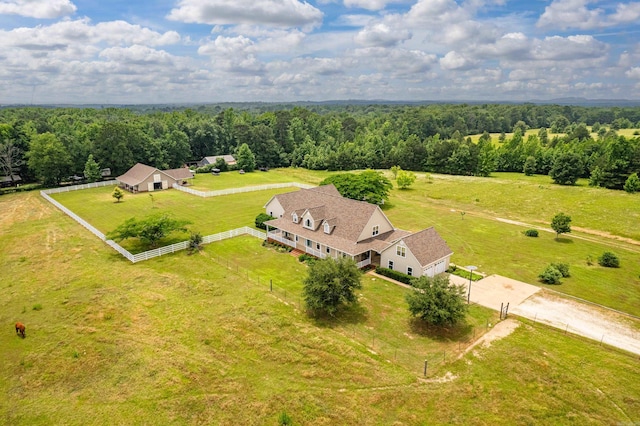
[528,301]
[494,290]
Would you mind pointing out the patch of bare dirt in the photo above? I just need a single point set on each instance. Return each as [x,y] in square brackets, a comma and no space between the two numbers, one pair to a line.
[498,331]
[604,234]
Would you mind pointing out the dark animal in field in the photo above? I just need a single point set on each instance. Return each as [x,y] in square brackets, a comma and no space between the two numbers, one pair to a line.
[20,329]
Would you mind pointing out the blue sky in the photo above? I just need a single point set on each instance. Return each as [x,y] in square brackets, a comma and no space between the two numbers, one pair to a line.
[175,51]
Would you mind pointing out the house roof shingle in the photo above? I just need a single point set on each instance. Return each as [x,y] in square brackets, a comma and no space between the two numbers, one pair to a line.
[347,220]
[427,246]
[138,173]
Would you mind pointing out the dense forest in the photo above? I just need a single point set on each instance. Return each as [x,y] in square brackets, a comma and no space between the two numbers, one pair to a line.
[49,145]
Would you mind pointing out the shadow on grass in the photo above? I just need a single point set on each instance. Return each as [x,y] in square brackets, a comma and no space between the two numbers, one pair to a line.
[459,332]
[564,240]
[346,315]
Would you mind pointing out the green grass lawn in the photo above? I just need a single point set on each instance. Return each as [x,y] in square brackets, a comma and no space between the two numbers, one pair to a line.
[531,199]
[501,248]
[200,340]
[437,200]
[208,182]
[207,215]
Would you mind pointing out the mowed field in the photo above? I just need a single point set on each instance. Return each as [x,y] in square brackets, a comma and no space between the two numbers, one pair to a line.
[201,340]
[628,133]
[608,220]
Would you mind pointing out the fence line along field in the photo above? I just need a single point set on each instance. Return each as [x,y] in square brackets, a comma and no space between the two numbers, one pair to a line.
[476,238]
[189,340]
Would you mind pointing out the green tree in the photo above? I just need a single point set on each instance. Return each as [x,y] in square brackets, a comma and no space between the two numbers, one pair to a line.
[596,177]
[561,223]
[221,165]
[261,219]
[245,158]
[92,170]
[436,301]
[567,168]
[331,284]
[395,170]
[370,186]
[118,194]
[49,159]
[149,230]
[530,165]
[632,184]
[195,242]
[405,179]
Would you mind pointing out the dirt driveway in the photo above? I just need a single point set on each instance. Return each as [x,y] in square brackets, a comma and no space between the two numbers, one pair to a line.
[528,301]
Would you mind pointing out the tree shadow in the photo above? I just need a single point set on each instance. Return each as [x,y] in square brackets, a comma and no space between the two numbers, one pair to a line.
[346,315]
[460,331]
[564,240]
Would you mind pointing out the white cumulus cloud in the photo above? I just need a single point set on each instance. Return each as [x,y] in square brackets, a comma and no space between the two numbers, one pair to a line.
[40,9]
[279,13]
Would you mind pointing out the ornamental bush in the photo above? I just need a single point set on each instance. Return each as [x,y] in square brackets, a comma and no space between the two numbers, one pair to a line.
[563,268]
[550,275]
[531,232]
[609,260]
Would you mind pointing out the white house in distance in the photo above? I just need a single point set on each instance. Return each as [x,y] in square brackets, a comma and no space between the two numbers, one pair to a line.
[321,222]
[143,178]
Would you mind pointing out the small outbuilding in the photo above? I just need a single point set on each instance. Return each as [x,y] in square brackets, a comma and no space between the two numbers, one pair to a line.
[229,159]
[143,178]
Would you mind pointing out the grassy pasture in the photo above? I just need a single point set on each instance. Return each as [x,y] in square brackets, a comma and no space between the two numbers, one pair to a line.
[477,238]
[189,340]
[629,133]
[208,182]
[207,215]
[496,247]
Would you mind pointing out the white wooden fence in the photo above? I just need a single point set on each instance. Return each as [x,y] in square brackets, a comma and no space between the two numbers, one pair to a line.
[72,215]
[79,187]
[240,190]
[183,245]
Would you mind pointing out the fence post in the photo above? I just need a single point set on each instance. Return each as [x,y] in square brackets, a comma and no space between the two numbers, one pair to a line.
[425,368]
[271,286]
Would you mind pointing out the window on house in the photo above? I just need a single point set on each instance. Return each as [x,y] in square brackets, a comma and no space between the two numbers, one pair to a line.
[295,218]
[376,230]
[328,250]
[409,270]
[391,264]
[296,238]
[307,223]
[401,251]
[308,243]
[317,246]
[327,229]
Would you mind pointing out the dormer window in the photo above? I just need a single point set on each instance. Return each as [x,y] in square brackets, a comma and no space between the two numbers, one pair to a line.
[376,230]
[307,223]
[295,218]
[327,228]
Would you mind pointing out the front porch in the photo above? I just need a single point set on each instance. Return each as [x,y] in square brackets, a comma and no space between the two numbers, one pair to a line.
[316,249]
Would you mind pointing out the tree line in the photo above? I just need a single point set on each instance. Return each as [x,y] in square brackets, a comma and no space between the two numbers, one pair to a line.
[51,144]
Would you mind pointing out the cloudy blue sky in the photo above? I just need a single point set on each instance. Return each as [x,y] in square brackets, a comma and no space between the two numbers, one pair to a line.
[166,51]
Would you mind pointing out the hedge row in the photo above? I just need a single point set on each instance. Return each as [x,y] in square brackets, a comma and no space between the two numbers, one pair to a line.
[395,275]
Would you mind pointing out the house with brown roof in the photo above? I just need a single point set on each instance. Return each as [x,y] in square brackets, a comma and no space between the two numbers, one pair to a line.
[321,222]
[143,178]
